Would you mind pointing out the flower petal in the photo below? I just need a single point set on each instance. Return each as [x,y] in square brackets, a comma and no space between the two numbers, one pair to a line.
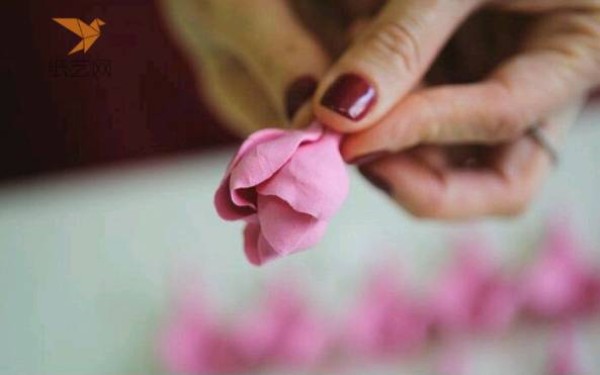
[225,207]
[257,250]
[286,230]
[262,160]
[314,181]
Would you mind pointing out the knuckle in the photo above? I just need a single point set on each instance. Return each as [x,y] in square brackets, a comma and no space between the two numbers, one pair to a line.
[574,37]
[506,127]
[395,43]
[508,122]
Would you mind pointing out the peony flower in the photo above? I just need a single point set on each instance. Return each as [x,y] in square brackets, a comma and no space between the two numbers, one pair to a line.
[286,185]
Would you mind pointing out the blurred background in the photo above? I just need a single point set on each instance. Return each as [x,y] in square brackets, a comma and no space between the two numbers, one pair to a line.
[108,166]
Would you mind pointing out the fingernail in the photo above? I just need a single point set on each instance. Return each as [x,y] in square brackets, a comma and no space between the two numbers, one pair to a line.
[376,181]
[350,96]
[298,93]
[367,158]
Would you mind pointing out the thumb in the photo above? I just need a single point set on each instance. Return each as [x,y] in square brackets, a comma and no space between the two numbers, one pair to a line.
[389,58]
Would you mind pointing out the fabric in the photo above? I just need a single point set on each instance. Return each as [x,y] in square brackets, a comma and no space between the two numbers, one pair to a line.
[286,185]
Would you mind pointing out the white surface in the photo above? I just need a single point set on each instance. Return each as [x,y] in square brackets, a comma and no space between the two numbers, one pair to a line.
[86,261]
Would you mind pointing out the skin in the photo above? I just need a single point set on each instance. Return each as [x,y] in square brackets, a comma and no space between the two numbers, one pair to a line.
[449,122]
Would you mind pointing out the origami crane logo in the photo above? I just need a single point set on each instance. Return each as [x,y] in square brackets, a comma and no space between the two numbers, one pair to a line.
[88,33]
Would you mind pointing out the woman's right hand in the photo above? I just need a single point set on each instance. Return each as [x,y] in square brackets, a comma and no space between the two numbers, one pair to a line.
[462,147]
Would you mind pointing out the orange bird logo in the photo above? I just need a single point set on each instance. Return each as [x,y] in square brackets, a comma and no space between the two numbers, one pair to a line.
[88,33]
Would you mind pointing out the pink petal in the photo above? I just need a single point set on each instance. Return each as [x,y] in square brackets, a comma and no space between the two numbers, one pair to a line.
[298,179]
[234,197]
[314,181]
[264,159]
[285,230]
[256,138]
[257,249]
[226,209]
[223,197]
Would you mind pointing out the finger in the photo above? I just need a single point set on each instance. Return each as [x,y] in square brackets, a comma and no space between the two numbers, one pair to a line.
[428,186]
[456,194]
[387,60]
[283,56]
[561,60]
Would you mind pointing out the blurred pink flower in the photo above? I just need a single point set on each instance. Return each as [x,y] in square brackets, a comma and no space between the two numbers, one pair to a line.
[473,295]
[193,342]
[386,321]
[556,284]
[283,331]
[286,185]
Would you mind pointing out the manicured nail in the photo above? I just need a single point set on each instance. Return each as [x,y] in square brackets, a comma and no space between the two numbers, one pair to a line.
[367,158]
[350,96]
[298,93]
[376,181]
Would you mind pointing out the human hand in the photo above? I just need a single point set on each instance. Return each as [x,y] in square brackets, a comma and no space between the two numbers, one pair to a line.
[258,62]
[457,149]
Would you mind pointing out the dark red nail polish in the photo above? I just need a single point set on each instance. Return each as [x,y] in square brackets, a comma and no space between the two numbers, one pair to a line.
[350,96]
[298,93]
[376,181]
[367,158]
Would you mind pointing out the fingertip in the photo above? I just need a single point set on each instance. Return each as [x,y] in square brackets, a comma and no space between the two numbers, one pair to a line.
[350,95]
[344,102]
